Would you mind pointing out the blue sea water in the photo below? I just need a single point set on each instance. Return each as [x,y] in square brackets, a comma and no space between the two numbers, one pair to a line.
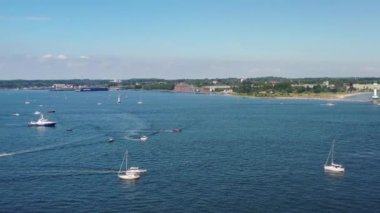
[233,154]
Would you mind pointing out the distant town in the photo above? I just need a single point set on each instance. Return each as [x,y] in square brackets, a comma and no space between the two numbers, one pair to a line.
[257,87]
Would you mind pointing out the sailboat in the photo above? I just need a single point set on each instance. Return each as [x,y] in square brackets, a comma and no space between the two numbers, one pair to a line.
[118,99]
[131,173]
[332,167]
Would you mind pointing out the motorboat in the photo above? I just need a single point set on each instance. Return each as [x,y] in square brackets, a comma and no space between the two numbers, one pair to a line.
[37,112]
[143,138]
[136,170]
[42,122]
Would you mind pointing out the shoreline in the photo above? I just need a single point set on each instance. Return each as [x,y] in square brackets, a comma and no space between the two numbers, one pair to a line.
[333,97]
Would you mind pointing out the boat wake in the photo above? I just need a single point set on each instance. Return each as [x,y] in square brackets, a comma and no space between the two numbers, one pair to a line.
[43,148]
[69,172]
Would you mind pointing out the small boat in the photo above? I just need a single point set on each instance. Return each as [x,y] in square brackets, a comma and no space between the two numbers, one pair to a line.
[139,102]
[332,167]
[176,130]
[42,122]
[51,111]
[127,174]
[136,170]
[37,112]
[118,99]
[328,104]
[143,138]
[16,114]
[110,140]
[27,102]
[69,130]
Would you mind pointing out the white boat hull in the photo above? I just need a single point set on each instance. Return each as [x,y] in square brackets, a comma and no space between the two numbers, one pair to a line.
[334,168]
[129,176]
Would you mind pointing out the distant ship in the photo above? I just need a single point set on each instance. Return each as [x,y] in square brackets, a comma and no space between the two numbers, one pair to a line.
[92,89]
[42,122]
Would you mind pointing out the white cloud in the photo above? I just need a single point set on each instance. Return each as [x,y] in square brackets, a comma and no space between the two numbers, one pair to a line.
[84,57]
[36,18]
[47,56]
[61,57]
[53,57]
[24,18]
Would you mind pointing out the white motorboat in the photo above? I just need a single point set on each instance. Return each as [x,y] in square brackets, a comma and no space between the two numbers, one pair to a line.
[143,138]
[136,170]
[37,112]
[42,122]
[332,167]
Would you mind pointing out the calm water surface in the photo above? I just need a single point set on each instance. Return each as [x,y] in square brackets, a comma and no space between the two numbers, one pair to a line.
[233,154]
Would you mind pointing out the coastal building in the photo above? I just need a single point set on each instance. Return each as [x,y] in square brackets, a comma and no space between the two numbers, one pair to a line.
[364,87]
[218,88]
[183,87]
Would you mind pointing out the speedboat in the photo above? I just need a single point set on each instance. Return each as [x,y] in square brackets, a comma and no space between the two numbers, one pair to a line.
[143,138]
[37,112]
[110,140]
[42,122]
[136,170]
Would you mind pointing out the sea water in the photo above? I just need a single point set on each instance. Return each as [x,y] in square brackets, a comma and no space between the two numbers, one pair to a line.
[232,155]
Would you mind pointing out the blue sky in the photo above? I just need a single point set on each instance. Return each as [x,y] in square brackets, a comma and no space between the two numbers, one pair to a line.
[49,39]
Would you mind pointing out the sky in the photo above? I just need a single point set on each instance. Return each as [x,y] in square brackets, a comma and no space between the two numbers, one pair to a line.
[173,39]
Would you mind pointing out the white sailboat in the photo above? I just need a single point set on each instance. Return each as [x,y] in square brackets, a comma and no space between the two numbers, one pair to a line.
[118,99]
[332,167]
[129,174]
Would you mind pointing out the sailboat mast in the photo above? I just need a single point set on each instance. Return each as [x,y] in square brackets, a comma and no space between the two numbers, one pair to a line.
[332,152]
[126,161]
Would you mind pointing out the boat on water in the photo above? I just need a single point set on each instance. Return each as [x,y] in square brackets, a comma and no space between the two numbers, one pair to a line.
[118,99]
[143,138]
[51,111]
[176,130]
[110,140]
[37,112]
[27,102]
[140,102]
[331,166]
[330,104]
[16,114]
[132,173]
[136,170]
[42,122]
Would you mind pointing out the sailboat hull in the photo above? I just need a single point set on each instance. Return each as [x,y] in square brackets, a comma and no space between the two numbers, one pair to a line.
[129,176]
[334,168]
